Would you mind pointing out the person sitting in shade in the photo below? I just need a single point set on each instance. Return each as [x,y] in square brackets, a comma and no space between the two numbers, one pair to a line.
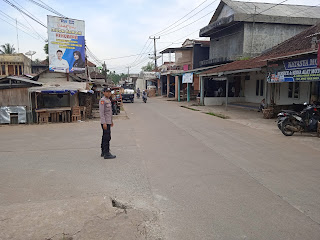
[220,91]
[262,105]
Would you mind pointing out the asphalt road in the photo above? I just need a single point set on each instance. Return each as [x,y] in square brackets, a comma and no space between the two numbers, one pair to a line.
[202,177]
[216,179]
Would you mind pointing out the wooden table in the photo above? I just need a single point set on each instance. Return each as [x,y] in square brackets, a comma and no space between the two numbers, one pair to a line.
[55,113]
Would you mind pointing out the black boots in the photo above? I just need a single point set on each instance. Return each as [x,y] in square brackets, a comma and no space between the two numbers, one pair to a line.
[108,155]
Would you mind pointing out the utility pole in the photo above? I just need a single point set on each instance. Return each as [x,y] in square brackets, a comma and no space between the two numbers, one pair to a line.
[105,71]
[155,51]
[128,78]
[17,35]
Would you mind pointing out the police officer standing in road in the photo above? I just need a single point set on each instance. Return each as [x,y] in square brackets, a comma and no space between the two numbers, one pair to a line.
[105,109]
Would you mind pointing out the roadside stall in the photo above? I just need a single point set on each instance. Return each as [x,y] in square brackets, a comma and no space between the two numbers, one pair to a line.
[59,102]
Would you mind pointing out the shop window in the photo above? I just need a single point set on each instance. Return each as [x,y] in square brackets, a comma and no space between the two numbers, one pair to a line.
[259,87]
[3,70]
[20,70]
[294,90]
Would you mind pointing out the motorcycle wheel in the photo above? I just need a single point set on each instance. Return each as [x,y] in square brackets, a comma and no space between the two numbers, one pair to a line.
[280,123]
[287,132]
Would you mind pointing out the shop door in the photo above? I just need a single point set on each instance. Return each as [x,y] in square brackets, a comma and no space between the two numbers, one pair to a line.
[10,70]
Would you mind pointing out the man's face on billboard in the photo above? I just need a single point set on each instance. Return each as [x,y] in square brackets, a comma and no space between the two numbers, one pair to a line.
[59,55]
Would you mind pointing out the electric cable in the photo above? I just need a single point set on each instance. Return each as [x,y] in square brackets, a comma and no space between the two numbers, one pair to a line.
[25,13]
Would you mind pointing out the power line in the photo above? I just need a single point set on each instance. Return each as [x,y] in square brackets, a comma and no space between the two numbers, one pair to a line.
[27,20]
[93,56]
[165,32]
[143,60]
[141,52]
[168,28]
[187,25]
[147,50]
[25,10]
[180,18]
[33,28]
[20,10]
[13,19]
[50,9]
[128,56]
[18,28]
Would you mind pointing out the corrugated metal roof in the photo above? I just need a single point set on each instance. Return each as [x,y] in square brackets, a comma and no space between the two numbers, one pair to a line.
[70,86]
[22,79]
[284,10]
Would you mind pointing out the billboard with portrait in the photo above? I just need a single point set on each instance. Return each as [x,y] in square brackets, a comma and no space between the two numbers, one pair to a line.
[66,42]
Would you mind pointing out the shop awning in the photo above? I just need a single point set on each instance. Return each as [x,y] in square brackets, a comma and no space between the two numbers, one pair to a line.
[61,88]
[196,71]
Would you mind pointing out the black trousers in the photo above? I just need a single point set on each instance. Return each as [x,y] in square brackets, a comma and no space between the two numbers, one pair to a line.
[106,137]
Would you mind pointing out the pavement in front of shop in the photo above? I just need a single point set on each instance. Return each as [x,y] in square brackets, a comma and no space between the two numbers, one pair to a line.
[247,114]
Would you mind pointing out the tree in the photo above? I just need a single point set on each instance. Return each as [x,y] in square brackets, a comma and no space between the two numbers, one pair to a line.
[115,77]
[46,50]
[7,49]
[149,67]
[37,60]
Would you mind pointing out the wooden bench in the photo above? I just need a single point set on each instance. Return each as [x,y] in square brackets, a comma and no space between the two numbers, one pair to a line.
[44,117]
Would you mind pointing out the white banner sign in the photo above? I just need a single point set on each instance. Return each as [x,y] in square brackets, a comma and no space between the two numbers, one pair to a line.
[151,75]
[187,78]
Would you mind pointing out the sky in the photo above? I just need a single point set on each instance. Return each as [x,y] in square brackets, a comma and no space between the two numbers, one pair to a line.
[117,29]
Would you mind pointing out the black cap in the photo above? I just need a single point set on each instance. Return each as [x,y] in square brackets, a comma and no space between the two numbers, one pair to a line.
[107,89]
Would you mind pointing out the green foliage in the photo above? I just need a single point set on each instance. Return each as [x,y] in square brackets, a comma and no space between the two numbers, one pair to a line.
[190,108]
[46,48]
[37,60]
[244,58]
[218,115]
[149,67]
[115,77]
[7,48]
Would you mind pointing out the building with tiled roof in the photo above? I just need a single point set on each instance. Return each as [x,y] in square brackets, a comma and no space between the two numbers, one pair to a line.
[187,57]
[248,78]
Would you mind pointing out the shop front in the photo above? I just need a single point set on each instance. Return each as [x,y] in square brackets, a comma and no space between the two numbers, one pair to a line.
[294,80]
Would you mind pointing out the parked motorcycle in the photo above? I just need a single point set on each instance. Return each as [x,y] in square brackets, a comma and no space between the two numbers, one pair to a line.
[305,121]
[283,116]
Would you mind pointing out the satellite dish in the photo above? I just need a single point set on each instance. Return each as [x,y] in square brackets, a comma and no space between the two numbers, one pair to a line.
[30,53]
